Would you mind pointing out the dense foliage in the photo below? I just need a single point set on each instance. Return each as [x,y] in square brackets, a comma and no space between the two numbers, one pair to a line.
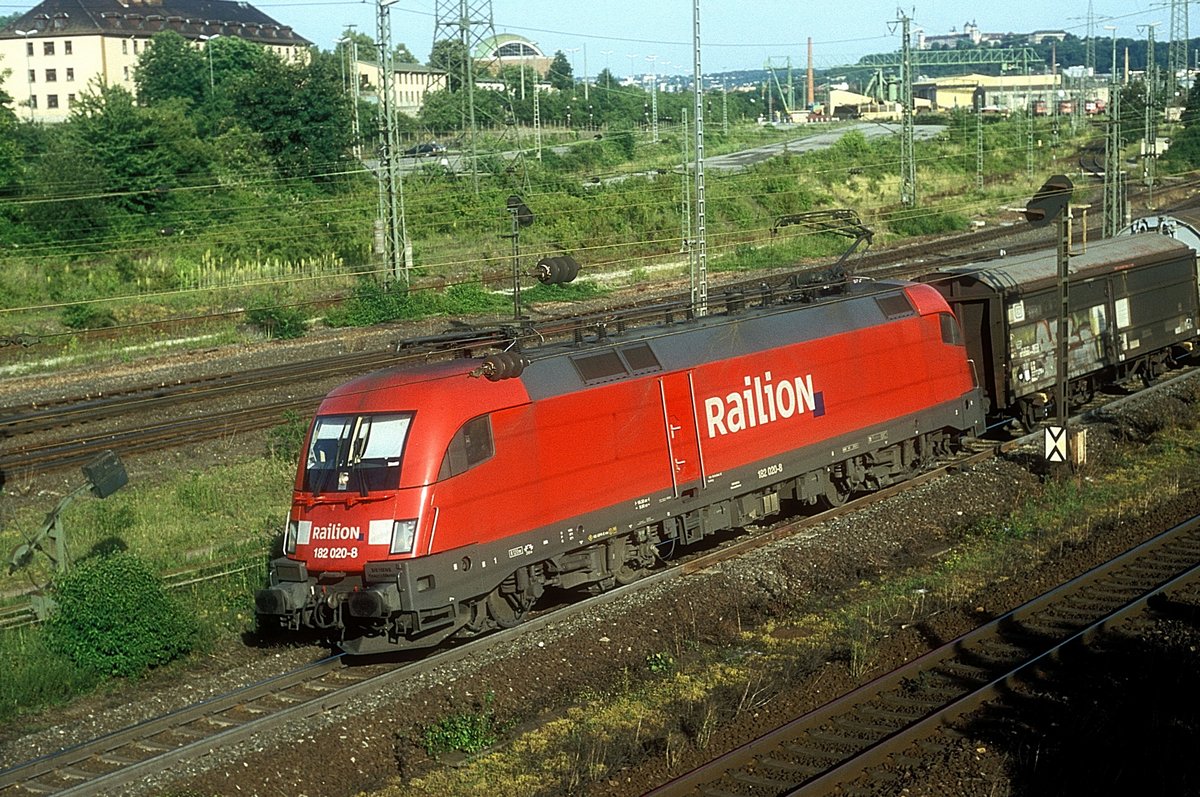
[1184,152]
[115,618]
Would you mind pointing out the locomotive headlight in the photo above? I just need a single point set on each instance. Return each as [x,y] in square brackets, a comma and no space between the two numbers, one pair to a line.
[289,537]
[403,534]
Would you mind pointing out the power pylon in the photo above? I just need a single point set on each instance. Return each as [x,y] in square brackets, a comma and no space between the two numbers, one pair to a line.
[470,23]
[1177,52]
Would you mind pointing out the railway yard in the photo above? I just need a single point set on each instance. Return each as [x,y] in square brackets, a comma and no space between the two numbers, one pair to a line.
[642,685]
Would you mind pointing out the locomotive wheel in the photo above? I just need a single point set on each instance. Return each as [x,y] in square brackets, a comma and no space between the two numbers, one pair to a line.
[834,496]
[628,574]
[507,609]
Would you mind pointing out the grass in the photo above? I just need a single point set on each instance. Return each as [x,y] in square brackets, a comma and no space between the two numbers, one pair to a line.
[229,515]
[457,235]
[233,512]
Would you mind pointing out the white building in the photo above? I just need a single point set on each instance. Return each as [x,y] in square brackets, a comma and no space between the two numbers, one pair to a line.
[411,83]
[55,49]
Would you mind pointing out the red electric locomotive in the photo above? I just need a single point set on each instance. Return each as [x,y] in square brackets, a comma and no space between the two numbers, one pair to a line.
[441,498]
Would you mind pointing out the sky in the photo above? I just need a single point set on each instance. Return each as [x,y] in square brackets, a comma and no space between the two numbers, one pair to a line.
[735,34]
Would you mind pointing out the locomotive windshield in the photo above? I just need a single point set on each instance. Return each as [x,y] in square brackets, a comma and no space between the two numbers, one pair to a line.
[356,453]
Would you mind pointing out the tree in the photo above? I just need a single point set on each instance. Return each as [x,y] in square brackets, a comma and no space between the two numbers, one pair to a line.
[1184,152]
[515,76]
[299,111]
[369,51]
[606,79]
[10,149]
[140,153]
[402,55]
[170,68]
[560,74]
[450,55]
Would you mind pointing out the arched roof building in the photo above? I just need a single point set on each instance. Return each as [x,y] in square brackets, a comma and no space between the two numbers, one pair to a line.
[504,49]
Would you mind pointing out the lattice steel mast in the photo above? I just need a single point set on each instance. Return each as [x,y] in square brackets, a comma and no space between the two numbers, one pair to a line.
[468,22]
[1114,184]
[391,240]
[908,165]
[1177,50]
[700,255]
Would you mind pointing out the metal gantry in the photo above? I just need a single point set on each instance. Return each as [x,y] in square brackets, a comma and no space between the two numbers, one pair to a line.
[908,61]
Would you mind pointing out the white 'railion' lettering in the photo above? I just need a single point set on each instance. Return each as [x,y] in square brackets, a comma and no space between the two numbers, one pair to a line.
[336,531]
[762,402]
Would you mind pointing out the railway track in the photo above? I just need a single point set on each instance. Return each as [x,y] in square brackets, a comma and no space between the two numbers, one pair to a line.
[858,733]
[62,434]
[66,433]
[155,746]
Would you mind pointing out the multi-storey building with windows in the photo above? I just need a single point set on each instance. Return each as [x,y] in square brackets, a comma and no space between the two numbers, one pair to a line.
[54,50]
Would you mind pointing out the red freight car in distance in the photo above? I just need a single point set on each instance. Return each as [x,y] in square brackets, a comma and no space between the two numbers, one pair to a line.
[432,501]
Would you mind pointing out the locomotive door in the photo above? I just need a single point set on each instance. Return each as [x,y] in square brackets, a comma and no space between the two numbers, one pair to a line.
[684,458]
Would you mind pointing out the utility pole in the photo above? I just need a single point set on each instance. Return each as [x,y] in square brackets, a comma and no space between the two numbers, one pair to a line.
[700,256]
[392,234]
[1029,121]
[686,201]
[653,98]
[1089,52]
[1150,127]
[354,87]
[724,108]
[1114,195]
[537,121]
[979,148]
[908,166]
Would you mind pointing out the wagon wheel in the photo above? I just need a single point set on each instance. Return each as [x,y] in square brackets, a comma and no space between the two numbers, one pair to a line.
[1082,392]
[1029,413]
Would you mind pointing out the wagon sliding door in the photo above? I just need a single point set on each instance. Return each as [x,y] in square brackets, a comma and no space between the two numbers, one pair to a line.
[684,458]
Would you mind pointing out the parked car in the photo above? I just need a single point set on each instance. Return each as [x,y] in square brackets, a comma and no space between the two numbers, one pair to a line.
[430,148]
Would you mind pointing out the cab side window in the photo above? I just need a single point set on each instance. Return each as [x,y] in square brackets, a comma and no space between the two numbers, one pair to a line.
[471,445]
[951,333]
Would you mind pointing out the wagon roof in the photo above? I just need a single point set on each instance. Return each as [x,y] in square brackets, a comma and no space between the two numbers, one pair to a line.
[1029,272]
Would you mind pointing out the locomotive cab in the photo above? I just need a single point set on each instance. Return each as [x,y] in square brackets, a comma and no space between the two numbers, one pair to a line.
[362,500]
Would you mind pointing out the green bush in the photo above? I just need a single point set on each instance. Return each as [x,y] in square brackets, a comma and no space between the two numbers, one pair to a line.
[87,316]
[468,732]
[374,304]
[926,222]
[283,323]
[284,440]
[115,618]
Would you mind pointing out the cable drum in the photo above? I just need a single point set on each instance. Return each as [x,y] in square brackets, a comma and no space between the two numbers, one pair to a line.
[557,270]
